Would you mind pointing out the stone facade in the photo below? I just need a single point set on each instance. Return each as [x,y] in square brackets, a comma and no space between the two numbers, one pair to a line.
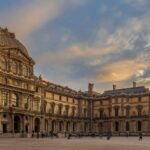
[29,104]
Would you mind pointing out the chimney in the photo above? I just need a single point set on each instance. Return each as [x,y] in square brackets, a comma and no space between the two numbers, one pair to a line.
[90,88]
[134,84]
[114,87]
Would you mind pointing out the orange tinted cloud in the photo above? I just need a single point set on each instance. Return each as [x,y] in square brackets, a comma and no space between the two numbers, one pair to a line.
[119,71]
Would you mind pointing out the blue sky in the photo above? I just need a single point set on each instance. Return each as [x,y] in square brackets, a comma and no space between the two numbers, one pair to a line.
[78,41]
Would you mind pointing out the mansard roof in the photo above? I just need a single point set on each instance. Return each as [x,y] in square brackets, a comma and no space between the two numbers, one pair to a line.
[133,90]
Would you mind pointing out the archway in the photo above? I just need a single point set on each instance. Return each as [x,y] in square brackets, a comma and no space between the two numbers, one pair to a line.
[67,126]
[53,126]
[37,125]
[139,126]
[74,127]
[85,127]
[116,126]
[17,124]
[100,127]
[61,125]
[46,125]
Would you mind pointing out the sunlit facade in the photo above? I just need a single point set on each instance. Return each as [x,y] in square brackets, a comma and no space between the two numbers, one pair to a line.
[28,104]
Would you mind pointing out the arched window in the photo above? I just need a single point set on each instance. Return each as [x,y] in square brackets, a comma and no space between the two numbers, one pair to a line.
[5,98]
[60,109]
[26,102]
[3,63]
[19,68]
[45,106]
[67,110]
[73,111]
[15,100]
[52,108]
[116,111]
[14,67]
[25,70]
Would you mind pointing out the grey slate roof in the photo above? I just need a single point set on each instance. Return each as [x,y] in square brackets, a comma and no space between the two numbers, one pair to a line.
[135,90]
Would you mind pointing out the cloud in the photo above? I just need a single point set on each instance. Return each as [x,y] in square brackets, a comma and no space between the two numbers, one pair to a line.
[119,71]
[34,14]
[136,3]
[123,39]
[116,52]
[104,54]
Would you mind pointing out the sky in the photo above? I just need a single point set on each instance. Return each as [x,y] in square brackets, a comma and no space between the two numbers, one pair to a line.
[74,42]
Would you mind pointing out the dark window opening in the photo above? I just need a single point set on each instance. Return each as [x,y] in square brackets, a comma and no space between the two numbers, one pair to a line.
[127,126]
[4,128]
[4,116]
[139,126]
[116,126]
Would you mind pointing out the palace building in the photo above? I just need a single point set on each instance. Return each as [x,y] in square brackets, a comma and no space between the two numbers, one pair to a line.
[29,104]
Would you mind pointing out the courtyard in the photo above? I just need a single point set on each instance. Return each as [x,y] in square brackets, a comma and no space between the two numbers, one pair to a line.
[115,143]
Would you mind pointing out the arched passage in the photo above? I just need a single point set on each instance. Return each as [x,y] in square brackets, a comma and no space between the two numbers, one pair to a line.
[85,127]
[67,126]
[74,127]
[53,126]
[139,125]
[37,125]
[46,125]
[100,127]
[17,124]
[61,125]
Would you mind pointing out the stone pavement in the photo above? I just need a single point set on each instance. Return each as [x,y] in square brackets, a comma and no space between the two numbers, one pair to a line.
[116,143]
